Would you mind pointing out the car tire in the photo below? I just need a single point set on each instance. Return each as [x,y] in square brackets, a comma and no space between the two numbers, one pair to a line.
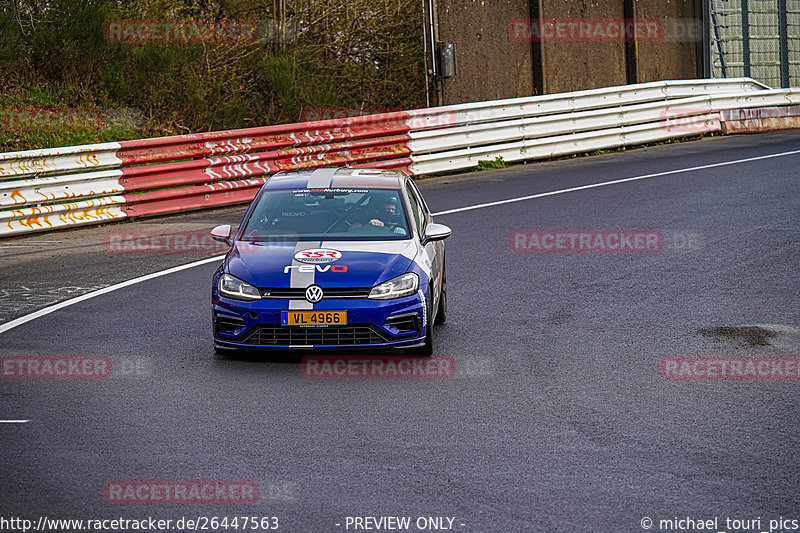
[427,348]
[441,311]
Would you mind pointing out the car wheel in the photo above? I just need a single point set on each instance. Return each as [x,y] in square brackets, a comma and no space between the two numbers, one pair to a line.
[441,313]
[427,348]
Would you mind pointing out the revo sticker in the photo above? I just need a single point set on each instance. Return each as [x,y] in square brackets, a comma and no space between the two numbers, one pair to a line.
[315,268]
[317,255]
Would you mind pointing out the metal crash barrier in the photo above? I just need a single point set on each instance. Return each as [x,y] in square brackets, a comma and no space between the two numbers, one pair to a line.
[56,188]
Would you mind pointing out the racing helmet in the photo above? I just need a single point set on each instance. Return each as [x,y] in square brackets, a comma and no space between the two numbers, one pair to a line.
[386,204]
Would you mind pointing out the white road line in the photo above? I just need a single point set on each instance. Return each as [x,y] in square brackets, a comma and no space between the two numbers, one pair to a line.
[14,421]
[29,244]
[66,303]
[614,182]
[89,295]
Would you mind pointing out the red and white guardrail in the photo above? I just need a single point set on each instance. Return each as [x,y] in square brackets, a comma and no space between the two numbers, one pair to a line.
[62,187]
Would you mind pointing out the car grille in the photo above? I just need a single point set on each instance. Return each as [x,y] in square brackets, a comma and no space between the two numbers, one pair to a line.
[273,293]
[323,336]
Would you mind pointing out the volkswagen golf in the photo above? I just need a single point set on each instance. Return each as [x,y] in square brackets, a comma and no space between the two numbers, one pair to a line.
[332,258]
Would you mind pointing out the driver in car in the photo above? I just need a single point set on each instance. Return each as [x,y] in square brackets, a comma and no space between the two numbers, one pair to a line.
[384,213]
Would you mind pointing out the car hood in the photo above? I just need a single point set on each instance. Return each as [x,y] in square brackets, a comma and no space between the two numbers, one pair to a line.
[362,264]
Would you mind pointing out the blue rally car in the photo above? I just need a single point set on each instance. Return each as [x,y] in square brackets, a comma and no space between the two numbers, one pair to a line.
[332,258]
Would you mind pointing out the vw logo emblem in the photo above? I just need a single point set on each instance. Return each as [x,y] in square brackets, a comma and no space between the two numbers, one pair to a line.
[314,293]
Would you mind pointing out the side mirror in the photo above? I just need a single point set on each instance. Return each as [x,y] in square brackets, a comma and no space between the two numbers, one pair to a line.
[435,232]
[222,233]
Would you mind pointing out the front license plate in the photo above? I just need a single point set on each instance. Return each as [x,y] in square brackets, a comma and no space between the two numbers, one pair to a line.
[314,318]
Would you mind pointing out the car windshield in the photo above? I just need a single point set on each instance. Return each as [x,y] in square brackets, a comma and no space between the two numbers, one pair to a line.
[327,214]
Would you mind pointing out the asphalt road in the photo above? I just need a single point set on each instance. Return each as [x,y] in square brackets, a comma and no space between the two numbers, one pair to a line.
[557,418]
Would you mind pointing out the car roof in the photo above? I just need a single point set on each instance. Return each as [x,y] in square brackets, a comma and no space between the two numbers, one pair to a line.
[337,178]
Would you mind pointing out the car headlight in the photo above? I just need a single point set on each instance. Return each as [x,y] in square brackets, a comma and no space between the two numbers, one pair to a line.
[398,287]
[233,287]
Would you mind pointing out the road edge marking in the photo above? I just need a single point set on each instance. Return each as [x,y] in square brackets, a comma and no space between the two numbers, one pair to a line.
[612,182]
[105,290]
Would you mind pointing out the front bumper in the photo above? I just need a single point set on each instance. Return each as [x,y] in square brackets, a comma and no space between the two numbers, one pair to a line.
[399,323]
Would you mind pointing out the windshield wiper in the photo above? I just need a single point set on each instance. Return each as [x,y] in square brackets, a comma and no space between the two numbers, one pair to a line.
[347,212]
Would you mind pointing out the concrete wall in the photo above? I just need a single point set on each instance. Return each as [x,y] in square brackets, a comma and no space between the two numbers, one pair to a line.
[493,64]
[490,67]
[674,57]
[572,66]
